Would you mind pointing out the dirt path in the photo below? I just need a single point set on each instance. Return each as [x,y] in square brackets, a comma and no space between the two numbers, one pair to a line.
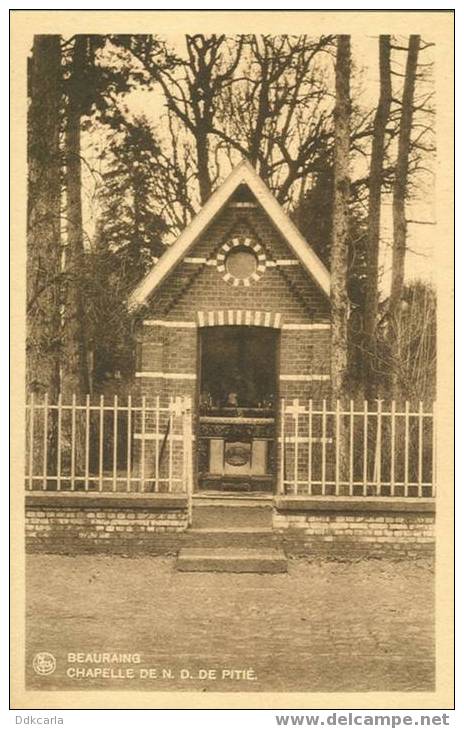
[326,626]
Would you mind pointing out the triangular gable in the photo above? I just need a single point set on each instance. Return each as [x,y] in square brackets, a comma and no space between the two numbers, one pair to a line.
[243,173]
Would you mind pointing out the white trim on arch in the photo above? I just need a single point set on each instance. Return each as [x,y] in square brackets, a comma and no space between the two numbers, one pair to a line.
[243,173]
[239,317]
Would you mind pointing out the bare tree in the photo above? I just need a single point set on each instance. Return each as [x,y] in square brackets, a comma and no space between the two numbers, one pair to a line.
[191,86]
[375,192]
[339,250]
[261,97]
[43,217]
[206,75]
[400,184]
[278,113]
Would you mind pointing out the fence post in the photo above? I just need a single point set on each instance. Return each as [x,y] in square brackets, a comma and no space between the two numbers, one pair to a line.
[310,446]
[187,455]
[115,441]
[45,442]
[434,451]
[142,446]
[351,456]
[100,442]
[365,452]
[87,441]
[157,441]
[73,442]
[406,448]
[420,447]
[129,443]
[31,442]
[324,445]
[171,427]
[296,432]
[58,445]
[392,447]
[378,450]
[337,447]
[281,485]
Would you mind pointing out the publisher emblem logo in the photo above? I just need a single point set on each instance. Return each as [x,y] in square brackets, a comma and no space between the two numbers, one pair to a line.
[44,663]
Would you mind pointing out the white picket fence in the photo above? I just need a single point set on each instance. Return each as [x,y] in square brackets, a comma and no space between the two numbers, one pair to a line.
[145,446]
[374,449]
[109,445]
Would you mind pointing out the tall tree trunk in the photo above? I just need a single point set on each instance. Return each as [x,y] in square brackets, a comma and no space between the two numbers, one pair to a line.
[75,362]
[201,140]
[373,232]
[43,218]
[339,249]
[399,201]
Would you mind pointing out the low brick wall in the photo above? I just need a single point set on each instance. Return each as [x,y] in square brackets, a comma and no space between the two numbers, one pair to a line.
[331,527]
[76,524]
[350,528]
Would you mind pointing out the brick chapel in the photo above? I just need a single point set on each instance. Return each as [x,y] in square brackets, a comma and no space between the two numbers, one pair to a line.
[235,314]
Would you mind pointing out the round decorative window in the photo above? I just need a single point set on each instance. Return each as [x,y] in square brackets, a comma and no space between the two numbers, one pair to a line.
[241,261]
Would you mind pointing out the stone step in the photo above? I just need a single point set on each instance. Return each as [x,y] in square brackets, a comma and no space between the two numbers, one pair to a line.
[222,498]
[231,537]
[233,515]
[200,559]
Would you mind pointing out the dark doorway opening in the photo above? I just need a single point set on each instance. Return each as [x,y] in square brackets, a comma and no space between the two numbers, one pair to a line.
[240,360]
[238,393]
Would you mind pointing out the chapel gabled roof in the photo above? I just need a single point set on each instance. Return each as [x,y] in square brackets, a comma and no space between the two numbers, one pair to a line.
[242,174]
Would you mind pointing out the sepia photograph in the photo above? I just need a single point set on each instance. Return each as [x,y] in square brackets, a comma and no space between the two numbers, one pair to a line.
[229,396]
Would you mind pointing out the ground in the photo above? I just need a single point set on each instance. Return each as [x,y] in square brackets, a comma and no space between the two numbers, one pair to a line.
[324,626]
